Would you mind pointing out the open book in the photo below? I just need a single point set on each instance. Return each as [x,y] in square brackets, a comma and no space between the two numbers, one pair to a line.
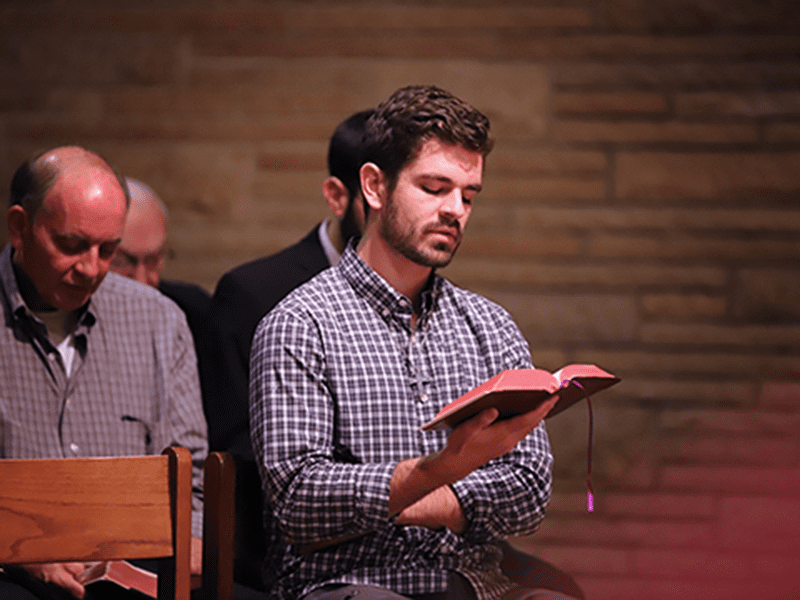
[122,573]
[516,391]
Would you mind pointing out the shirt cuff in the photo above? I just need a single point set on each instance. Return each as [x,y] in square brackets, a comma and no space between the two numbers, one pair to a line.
[475,514]
[372,496]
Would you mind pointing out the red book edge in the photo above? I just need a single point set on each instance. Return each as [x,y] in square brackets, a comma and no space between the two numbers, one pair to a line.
[587,379]
[123,574]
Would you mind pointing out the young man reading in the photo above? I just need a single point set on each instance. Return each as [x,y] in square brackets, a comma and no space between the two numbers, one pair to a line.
[346,369]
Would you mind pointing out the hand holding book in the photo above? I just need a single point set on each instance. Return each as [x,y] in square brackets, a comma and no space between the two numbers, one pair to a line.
[123,574]
[518,391]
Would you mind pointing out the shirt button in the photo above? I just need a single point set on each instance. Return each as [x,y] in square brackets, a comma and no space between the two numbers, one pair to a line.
[74,447]
[423,398]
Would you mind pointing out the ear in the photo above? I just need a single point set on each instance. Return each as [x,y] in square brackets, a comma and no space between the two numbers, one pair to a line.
[19,225]
[336,195]
[373,185]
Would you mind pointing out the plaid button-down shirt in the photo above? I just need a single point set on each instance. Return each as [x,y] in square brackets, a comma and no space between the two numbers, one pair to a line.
[340,385]
[133,388]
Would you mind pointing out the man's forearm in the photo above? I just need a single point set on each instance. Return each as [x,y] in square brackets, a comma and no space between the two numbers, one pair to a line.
[413,480]
[469,446]
[440,508]
[437,508]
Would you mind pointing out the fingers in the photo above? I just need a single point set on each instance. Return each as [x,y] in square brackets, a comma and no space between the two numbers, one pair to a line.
[61,574]
[530,420]
[473,426]
[520,426]
[484,438]
[497,437]
[74,568]
[72,586]
[65,577]
[483,419]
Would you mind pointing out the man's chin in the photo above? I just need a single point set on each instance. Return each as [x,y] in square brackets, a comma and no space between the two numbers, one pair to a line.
[443,253]
[438,258]
[434,255]
[71,299]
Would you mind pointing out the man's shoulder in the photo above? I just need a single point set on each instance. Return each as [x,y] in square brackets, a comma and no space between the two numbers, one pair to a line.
[462,295]
[325,287]
[264,281]
[118,294]
[185,293]
[296,262]
[467,301]
[320,299]
[306,253]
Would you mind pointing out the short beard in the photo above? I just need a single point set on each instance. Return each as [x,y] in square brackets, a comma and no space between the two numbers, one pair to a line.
[402,243]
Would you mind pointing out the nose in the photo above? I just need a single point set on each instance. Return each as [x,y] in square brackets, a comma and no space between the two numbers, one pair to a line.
[454,204]
[89,264]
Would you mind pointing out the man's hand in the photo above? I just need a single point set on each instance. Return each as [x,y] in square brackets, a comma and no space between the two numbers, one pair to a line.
[481,439]
[469,446]
[62,574]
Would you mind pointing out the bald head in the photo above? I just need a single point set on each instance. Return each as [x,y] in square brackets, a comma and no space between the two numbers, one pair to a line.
[140,255]
[65,219]
[34,179]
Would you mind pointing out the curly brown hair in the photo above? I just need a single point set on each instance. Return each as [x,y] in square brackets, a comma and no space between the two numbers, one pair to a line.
[412,115]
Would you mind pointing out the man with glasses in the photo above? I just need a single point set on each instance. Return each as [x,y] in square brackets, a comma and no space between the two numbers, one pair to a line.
[142,254]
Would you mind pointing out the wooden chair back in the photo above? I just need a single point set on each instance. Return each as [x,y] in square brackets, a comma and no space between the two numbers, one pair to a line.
[218,526]
[96,509]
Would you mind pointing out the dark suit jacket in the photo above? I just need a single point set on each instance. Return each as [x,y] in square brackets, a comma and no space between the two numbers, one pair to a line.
[194,301]
[243,296]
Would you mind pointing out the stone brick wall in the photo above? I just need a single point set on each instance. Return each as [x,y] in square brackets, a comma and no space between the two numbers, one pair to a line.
[640,211]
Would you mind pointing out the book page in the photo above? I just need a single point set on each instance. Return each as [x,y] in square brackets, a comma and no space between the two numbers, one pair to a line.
[582,371]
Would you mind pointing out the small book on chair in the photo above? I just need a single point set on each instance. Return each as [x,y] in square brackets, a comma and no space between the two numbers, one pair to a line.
[123,574]
[517,391]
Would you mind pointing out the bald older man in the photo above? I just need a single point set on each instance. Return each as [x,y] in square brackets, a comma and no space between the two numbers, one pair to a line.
[91,363]
[141,255]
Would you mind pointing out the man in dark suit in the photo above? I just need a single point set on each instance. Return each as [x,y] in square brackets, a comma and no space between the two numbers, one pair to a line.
[242,297]
[142,253]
